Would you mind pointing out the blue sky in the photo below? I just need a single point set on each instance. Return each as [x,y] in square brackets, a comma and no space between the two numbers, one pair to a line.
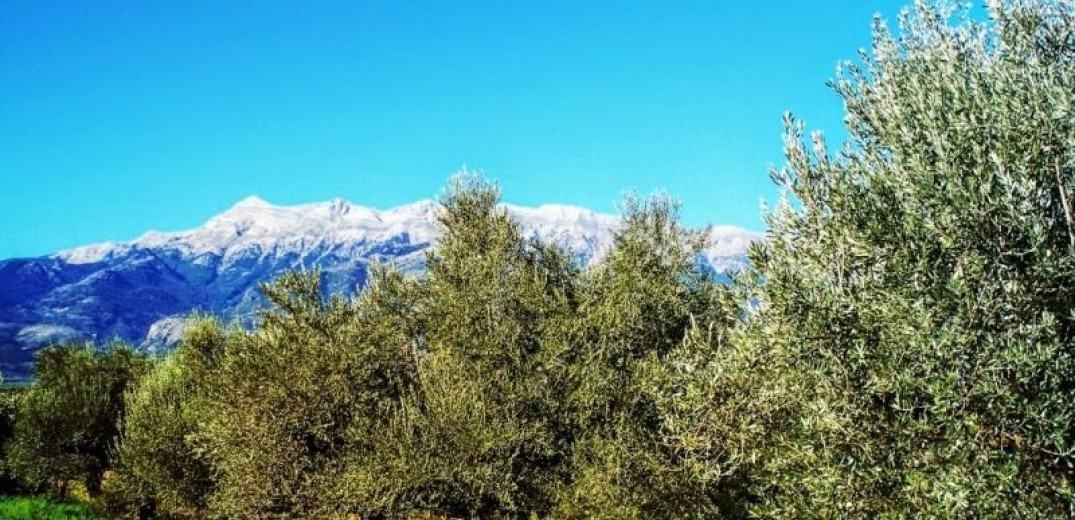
[120,117]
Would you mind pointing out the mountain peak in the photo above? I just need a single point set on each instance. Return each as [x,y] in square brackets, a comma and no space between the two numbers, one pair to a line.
[252,202]
[422,208]
[339,207]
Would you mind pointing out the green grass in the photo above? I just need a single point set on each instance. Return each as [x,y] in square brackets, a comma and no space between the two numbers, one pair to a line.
[40,508]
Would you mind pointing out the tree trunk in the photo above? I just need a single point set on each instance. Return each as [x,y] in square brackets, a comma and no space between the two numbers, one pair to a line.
[147,509]
[93,483]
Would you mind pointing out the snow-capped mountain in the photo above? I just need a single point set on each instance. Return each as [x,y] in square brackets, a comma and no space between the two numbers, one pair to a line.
[141,291]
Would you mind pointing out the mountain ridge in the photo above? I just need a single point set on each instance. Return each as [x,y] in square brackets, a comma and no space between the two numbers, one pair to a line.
[140,290]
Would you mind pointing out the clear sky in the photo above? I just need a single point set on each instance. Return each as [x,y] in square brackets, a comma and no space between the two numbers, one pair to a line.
[121,117]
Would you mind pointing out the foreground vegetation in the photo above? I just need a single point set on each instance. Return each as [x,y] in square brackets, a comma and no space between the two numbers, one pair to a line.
[901,347]
[41,508]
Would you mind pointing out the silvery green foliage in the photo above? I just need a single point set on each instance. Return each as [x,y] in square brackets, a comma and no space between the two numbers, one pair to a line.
[914,334]
[503,383]
[479,431]
[66,422]
[635,309]
[160,465]
[285,398]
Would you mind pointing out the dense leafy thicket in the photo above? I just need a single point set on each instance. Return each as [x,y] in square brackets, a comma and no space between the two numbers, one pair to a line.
[901,347]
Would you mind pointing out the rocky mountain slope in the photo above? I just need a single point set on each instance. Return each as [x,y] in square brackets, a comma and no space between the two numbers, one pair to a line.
[141,291]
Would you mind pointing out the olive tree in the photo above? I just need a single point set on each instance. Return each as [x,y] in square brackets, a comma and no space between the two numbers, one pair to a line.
[66,423]
[478,432]
[160,465]
[637,307]
[910,326]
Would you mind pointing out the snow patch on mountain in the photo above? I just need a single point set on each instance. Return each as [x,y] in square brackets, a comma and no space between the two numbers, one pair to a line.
[37,336]
[254,227]
[165,332]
